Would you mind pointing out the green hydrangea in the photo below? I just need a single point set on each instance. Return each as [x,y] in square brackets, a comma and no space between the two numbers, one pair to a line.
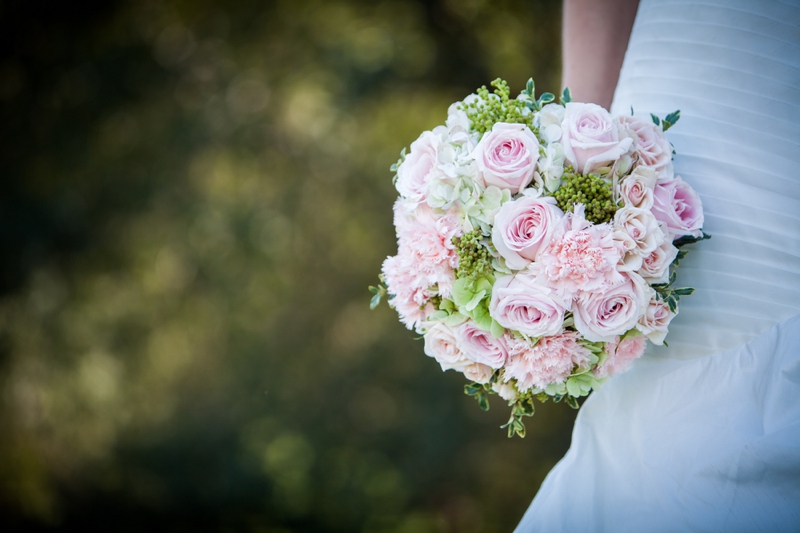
[592,191]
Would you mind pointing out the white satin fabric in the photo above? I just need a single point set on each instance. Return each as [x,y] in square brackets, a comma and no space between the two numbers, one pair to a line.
[705,435]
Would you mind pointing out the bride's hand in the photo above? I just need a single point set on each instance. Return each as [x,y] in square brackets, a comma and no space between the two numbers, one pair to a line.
[595,37]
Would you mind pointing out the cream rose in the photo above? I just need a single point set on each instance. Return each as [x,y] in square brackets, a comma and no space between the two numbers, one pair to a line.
[637,188]
[521,304]
[591,138]
[419,167]
[642,227]
[652,146]
[479,373]
[480,346]
[654,323]
[507,156]
[600,316]
[523,227]
[442,345]
[655,267]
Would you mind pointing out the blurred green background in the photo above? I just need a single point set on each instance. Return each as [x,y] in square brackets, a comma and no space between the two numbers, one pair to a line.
[195,196]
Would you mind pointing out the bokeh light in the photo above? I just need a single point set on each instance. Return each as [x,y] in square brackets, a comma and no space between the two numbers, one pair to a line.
[195,197]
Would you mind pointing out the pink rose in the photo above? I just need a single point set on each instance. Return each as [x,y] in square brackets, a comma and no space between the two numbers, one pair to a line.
[523,227]
[637,188]
[581,256]
[552,360]
[655,267]
[521,304]
[441,344]
[479,373]
[416,172]
[676,204]
[620,355]
[600,316]
[652,146]
[507,155]
[654,323]
[591,138]
[642,227]
[480,346]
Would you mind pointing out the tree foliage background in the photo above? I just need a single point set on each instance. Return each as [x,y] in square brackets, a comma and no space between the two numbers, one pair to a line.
[195,196]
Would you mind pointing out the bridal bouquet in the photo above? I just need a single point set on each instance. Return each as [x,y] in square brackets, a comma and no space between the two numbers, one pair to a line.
[535,241]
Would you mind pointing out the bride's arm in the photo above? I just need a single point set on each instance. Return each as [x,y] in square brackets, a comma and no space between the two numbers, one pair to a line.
[595,37]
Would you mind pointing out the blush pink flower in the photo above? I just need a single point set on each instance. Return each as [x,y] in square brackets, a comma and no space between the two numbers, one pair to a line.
[655,267]
[507,156]
[620,355]
[600,316]
[581,256]
[523,304]
[480,346]
[523,227]
[637,188]
[551,360]
[591,138]
[676,204]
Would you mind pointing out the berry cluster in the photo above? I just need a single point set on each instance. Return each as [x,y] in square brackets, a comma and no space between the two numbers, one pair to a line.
[592,191]
[498,107]
[474,259]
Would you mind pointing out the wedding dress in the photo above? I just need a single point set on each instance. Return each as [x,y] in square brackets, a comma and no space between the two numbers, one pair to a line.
[704,435]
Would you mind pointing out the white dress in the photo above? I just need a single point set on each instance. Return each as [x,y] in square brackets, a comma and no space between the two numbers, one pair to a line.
[705,435]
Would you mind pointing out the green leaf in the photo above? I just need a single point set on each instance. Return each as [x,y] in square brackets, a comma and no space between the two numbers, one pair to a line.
[671,119]
[573,388]
[483,401]
[631,110]
[446,305]
[373,290]
[472,389]
[656,120]
[684,291]
[528,408]
[689,239]
[375,301]
[530,87]
[566,96]
[496,329]
[545,98]
[572,402]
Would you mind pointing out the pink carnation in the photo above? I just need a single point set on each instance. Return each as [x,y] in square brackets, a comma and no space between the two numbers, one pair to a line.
[552,360]
[408,298]
[620,355]
[581,256]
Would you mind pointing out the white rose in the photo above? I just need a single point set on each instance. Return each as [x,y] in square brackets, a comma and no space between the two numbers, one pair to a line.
[655,321]
[506,391]
[636,189]
[479,373]
[655,267]
[419,168]
[441,344]
[642,227]
[653,148]
[591,138]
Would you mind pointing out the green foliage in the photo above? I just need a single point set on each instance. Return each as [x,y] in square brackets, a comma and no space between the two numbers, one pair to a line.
[690,239]
[566,96]
[592,191]
[498,106]
[671,296]
[520,408]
